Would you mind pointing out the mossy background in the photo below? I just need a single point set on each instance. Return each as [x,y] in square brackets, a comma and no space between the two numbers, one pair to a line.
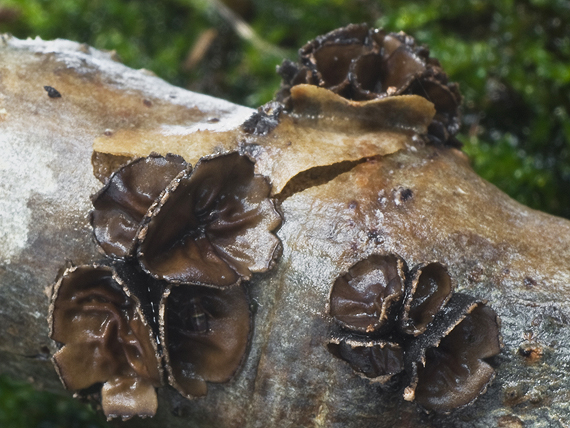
[510,57]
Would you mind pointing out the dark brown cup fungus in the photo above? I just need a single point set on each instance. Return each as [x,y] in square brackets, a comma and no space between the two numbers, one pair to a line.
[106,339]
[428,290]
[359,63]
[375,360]
[451,371]
[206,333]
[438,340]
[366,297]
[212,226]
[121,205]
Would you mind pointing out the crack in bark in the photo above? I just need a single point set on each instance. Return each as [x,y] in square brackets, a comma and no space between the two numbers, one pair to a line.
[316,176]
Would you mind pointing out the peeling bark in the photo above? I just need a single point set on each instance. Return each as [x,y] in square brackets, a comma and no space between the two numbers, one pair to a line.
[413,199]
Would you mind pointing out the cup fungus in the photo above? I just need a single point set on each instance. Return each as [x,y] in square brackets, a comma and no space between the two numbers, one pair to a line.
[375,360]
[206,333]
[438,341]
[451,371]
[213,225]
[210,227]
[359,63]
[366,297]
[106,339]
[429,289]
[121,205]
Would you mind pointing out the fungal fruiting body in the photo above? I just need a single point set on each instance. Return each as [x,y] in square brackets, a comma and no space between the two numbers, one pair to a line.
[121,205]
[438,342]
[206,332]
[222,232]
[169,304]
[367,297]
[361,63]
[179,243]
[107,338]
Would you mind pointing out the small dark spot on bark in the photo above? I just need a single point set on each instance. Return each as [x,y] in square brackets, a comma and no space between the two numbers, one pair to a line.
[402,194]
[532,352]
[525,352]
[147,103]
[375,236]
[406,194]
[181,410]
[52,92]
[213,120]
[513,395]
[529,282]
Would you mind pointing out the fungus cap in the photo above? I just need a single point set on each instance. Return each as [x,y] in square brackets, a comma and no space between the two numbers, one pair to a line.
[106,338]
[212,226]
[428,289]
[366,298]
[375,360]
[121,205]
[359,63]
[448,362]
[206,333]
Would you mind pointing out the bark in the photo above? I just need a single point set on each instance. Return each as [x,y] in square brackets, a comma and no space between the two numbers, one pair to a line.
[346,188]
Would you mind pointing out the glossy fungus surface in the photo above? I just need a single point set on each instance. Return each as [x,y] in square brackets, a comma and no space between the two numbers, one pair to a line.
[213,226]
[455,372]
[206,332]
[428,290]
[105,339]
[359,63]
[437,340]
[120,206]
[376,360]
[366,296]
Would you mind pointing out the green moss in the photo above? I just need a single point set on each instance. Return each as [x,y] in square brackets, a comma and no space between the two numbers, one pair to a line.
[21,406]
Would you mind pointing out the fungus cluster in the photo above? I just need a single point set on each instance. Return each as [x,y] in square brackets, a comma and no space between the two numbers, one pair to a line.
[408,326]
[169,300]
[360,64]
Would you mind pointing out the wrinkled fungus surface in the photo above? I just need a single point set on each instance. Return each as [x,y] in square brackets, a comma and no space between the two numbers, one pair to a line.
[429,289]
[120,206]
[359,63]
[377,361]
[213,226]
[438,342]
[365,298]
[455,372]
[105,339]
[119,325]
[206,331]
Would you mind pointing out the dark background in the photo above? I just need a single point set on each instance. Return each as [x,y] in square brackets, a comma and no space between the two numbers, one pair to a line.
[510,57]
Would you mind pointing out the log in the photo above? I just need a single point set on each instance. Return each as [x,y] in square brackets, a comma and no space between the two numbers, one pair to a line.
[345,189]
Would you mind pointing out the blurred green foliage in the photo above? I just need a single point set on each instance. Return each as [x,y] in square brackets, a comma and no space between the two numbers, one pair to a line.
[510,57]
[21,406]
